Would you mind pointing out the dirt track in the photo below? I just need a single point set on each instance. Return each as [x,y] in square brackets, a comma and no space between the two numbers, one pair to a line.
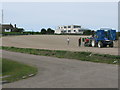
[53,42]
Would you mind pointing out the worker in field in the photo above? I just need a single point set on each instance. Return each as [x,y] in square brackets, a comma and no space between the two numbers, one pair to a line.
[68,41]
[79,42]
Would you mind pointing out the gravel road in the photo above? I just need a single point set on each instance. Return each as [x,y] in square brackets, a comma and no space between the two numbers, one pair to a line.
[64,73]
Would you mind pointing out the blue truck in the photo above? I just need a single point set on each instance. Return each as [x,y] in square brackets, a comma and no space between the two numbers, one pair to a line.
[102,38]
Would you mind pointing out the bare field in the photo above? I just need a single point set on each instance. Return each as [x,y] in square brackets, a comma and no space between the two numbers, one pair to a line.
[53,42]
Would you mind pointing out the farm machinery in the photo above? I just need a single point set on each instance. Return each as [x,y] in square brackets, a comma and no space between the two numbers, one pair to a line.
[101,38]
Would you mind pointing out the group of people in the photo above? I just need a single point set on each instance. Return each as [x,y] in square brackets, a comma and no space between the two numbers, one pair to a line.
[79,41]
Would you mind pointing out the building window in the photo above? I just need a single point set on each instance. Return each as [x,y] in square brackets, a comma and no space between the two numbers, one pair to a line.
[79,30]
[62,31]
[65,31]
[65,27]
[77,26]
[74,30]
[69,26]
[69,30]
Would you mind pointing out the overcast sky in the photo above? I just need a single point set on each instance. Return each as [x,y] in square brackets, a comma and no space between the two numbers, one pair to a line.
[34,16]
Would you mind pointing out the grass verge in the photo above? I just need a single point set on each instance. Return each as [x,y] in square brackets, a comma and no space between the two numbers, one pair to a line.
[84,56]
[16,70]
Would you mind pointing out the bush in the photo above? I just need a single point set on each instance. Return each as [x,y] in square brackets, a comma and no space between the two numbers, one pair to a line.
[43,31]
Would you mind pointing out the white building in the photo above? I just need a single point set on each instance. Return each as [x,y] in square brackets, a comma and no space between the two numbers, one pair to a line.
[69,29]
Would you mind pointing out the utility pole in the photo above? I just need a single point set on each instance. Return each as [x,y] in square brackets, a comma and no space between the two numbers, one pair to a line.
[2,17]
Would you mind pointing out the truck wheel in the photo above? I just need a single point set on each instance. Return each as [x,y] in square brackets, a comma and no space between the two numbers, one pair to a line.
[105,45]
[100,44]
[93,43]
[111,45]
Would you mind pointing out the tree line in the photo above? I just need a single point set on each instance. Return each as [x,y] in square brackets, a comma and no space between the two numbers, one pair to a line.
[23,32]
[48,31]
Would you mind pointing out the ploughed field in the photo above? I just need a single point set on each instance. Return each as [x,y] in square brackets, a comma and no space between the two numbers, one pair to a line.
[54,42]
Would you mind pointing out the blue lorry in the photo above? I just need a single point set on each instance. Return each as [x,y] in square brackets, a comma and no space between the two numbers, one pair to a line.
[102,38]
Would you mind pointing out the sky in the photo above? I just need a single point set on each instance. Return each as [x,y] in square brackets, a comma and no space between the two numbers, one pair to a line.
[37,15]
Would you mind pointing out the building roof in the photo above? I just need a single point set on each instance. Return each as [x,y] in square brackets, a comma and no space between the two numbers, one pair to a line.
[70,25]
[7,26]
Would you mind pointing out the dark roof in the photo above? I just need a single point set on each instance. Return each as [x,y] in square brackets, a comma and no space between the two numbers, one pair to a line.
[7,26]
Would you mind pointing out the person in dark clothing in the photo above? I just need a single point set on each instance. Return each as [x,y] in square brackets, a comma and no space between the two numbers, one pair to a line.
[79,42]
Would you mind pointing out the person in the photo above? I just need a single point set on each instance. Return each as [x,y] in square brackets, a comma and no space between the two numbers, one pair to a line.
[79,42]
[68,41]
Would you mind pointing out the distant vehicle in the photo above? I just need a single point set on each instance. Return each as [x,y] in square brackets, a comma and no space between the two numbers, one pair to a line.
[102,38]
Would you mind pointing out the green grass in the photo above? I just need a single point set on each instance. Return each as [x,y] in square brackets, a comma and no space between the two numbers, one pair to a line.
[83,56]
[16,70]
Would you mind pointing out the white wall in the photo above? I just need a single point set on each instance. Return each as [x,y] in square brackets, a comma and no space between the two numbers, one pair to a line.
[58,30]
[7,30]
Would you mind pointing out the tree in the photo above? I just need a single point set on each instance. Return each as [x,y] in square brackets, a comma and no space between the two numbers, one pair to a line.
[50,31]
[43,31]
[87,32]
[117,35]
[19,30]
[93,33]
